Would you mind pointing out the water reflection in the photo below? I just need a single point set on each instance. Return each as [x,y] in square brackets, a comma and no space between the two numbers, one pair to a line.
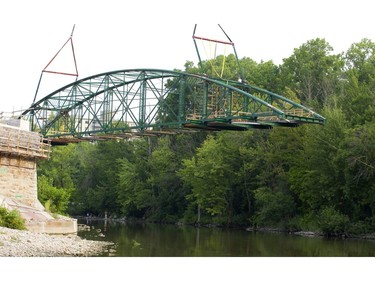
[153,240]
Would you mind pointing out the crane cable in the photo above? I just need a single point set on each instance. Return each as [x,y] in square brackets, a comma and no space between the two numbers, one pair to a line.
[208,56]
[224,58]
[214,58]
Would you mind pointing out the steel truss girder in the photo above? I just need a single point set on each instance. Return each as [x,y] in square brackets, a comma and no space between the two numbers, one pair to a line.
[140,100]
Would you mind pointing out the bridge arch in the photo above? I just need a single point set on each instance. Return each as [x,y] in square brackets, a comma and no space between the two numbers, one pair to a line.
[129,102]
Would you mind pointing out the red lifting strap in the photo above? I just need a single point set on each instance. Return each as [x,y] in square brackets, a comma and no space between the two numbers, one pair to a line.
[74,58]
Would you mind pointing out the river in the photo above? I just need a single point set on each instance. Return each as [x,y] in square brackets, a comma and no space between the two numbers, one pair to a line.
[154,240]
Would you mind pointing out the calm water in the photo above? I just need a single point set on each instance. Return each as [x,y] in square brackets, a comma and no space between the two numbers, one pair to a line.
[153,240]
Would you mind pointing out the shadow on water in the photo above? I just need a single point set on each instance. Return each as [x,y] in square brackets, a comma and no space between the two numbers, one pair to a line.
[154,240]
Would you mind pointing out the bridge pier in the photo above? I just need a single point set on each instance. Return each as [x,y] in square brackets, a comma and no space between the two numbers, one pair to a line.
[19,151]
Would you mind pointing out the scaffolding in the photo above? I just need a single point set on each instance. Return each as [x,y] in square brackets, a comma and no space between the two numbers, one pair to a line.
[17,142]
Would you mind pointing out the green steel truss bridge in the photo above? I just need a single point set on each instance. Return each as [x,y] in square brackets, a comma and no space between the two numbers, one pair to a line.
[153,102]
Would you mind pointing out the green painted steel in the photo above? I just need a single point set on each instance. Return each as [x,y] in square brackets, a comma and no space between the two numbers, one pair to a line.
[153,101]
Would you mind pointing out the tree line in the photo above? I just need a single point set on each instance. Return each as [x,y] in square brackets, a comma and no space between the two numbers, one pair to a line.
[313,177]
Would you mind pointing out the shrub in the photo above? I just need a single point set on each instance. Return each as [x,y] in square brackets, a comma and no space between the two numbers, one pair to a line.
[332,222]
[11,219]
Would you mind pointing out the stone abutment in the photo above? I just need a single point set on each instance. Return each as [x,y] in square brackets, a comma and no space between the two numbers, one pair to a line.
[20,150]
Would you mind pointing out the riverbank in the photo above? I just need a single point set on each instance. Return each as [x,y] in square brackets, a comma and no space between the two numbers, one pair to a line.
[21,243]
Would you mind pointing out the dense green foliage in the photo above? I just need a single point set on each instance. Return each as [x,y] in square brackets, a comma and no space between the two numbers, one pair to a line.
[11,219]
[57,181]
[313,177]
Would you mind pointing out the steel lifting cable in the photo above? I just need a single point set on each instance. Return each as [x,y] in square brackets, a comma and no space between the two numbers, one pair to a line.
[224,58]
[216,42]
[214,58]
[209,55]
[70,39]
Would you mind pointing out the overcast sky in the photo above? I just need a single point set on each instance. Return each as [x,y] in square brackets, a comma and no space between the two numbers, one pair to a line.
[113,35]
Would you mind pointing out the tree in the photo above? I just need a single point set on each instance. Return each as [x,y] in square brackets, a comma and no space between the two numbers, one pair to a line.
[62,168]
[211,174]
[360,59]
[133,194]
[58,178]
[265,75]
[273,208]
[357,95]
[358,156]
[102,194]
[316,175]
[313,73]
[167,189]
[204,174]
[55,200]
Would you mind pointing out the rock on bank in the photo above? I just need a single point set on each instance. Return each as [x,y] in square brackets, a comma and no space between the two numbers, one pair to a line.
[20,243]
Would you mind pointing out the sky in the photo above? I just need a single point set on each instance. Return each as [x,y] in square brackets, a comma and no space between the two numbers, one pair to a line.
[113,35]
